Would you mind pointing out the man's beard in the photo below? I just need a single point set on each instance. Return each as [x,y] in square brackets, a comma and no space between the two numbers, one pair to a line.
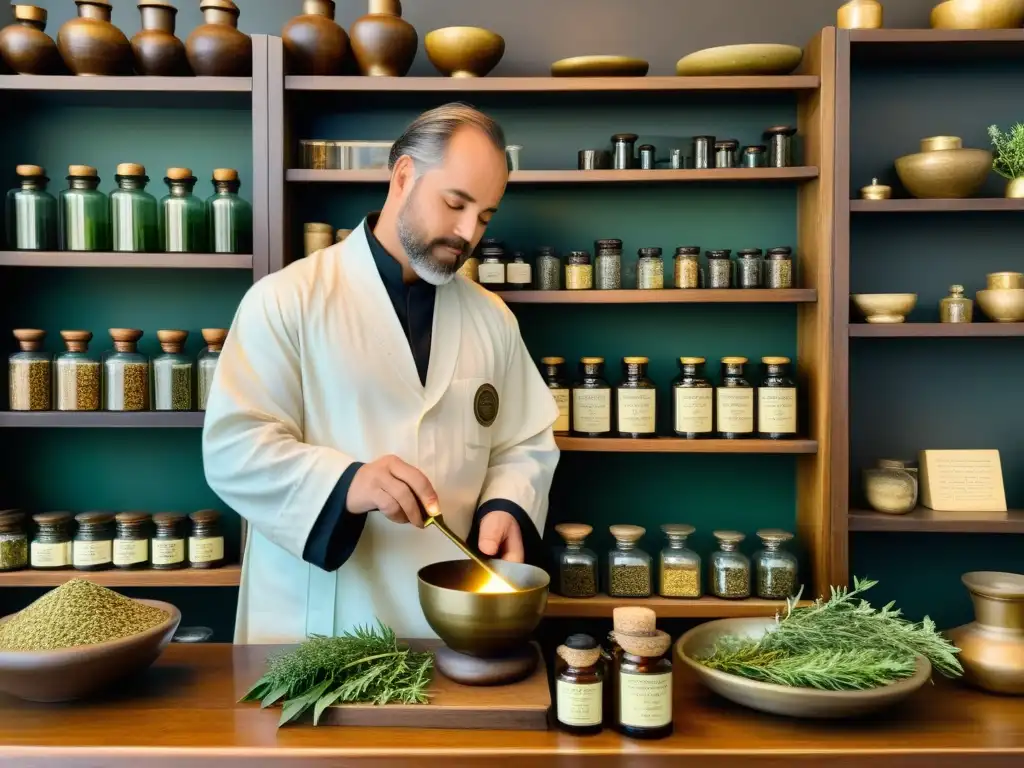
[420,250]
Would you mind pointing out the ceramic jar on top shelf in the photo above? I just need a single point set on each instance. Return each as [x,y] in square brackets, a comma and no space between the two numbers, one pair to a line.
[384,43]
[24,45]
[216,48]
[91,45]
[157,51]
[314,44]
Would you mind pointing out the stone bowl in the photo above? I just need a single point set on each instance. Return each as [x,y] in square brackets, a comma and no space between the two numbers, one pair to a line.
[885,307]
[978,14]
[464,51]
[1002,305]
[944,169]
[74,673]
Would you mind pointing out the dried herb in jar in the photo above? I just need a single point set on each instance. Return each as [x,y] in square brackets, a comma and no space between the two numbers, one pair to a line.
[29,372]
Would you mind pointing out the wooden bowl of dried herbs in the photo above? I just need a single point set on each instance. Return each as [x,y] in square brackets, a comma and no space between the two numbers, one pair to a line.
[78,639]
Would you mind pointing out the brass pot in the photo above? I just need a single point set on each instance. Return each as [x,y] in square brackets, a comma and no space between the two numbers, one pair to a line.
[384,43]
[216,48]
[158,52]
[24,45]
[860,14]
[978,14]
[314,44]
[995,280]
[1015,188]
[464,51]
[992,646]
[91,45]
[885,307]
[944,169]
[1002,305]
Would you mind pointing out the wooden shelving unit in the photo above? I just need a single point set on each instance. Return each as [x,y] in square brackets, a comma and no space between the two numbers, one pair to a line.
[929,521]
[129,84]
[226,576]
[667,296]
[935,330]
[914,205]
[679,445]
[85,260]
[573,176]
[101,419]
[601,607]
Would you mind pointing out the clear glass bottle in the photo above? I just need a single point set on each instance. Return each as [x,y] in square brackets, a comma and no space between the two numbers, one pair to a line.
[776,568]
[183,215]
[78,374]
[13,541]
[31,212]
[549,269]
[208,359]
[30,372]
[592,400]
[492,264]
[229,215]
[131,541]
[749,266]
[719,268]
[687,271]
[93,546]
[125,373]
[50,549]
[579,271]
[579,689]
[518,273]
[692,400]
[577,565]
[608,264]
[776,400]
[730,568]
[553,370]
[679,572]
[645,694]
[133,216]
[636,401]
[629,567]
[168,545]
[172,373]
[83,212]
[650,269]
[206,542]
[734,397]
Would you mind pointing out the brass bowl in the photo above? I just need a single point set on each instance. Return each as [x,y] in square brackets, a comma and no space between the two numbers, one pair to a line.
[1002,305]
[1004,280]
[749,59]
[978,14]
[600,66]
[944,169]
[782,699]
[485,625]
[885,307]
[464,51]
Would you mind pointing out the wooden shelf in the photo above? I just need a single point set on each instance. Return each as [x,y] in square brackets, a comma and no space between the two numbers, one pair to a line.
[936,47]
[937,36]
[935,330]
[797,173]
[914,205]
[130,84]
[928,520]
[601,606]
[549,84]
[666,296]
[84,419]
[228,576]
[125,260]
[679,445]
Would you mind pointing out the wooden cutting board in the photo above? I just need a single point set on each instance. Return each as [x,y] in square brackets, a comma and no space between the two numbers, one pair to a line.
[521,706]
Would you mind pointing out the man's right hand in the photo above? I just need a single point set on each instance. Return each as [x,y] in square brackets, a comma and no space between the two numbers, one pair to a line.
[397,489]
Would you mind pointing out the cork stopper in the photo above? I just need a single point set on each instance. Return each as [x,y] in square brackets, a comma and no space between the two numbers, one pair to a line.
[215,337]
[225,174]
[125,339]
[82,170]
[205,516]
[774,535]
[627,533]
[30,13]
[179,174]
[157,4]
[648,646]
[775,360]
[76,341]
[573,532]
[580,651]
[131,518]
[167,519]
[552,360]
[51,519]
[319,227]
[131,169]
[729,537]
[29,339]
[634,620]
[677,531]
[30,171]
[734,361]
[172,341]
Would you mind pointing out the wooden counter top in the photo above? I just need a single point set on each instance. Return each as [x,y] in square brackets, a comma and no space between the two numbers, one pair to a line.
[183,712]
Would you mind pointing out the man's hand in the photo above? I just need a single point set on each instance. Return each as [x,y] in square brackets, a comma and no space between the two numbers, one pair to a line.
[500,537]
[395,488]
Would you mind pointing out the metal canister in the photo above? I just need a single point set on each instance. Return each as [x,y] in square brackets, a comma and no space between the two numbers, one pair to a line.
[579,271]
[317,236]
[687,267]
[779,268]
[623,150]
[647,159]
[320,155]
[719,269]
[549,269]
[650,269]
[678,160]
[748,268]
[753,156]
[725,153]
[703,148]
[780,143]
[608,265]
[594,159]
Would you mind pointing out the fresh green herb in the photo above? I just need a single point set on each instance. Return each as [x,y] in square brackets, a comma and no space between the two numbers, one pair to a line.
[837,645]
[367,664]
[1009,151]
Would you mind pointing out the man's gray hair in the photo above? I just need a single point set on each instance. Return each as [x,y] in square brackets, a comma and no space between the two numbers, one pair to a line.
[427,137]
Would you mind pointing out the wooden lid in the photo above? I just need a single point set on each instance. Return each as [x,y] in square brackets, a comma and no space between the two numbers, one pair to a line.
[81,170]
[179,174]
[215,336]
[225,174]
[172,337]
[30,13]
[205,516]
[220,5]
[774,534]
[93,518]
[85,336]
[552,360]
[627,532]
[52,518]
[673,530]
[734,360]
[11,518]
[29,338]
[30,170]
[125,334]
[131,518]
[775,360]
[319,226]
[634,620]
[729,537]
[168,518]
[131,169]
[572,532]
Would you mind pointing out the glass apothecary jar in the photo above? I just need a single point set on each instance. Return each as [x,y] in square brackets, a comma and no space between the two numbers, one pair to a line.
[730,568]
[51,547]
[228,215]
[133,212]
[778,272]
[13,541]
[749,268]
[492,264]
[650,269]
[629,567]
[692,400]
[776,400]
[518,273]
[579,687]
[78,374]
[182,214]
[608,264]
[679,571]
[776,568]
[126,373]
[208,359]
[577,565]
[29,372]
[172,373]
[549,269]
[167,552]
[592,400]
[579,271]
[31,212]
[719,268]
[131,542]
[735,400]
[636,405]
[206,543]
[644,688]
[83,212]
[687,271]
[553,370]
[93,546]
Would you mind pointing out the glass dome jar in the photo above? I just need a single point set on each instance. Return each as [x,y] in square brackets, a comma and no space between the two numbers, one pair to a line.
[182,214]
[83,212]
[172,373]
[208,359]
[228,214]
[679,568]
[78,374]
[629,567]
[126,373]
[29,372]
[133,218]
[730,568]
[577,565]
[31,212]
[776,568]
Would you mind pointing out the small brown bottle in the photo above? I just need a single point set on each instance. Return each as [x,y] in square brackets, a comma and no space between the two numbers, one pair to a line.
[645,686]
[579,687]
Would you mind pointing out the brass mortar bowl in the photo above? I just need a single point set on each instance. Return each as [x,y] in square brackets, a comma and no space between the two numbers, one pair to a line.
[944,169]
[1002,305]
[464,51]
[978,14]
[487,625]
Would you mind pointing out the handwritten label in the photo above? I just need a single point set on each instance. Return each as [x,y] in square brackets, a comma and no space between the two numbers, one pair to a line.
[776,410]
[735,410]
[88,553]
[168,551]
[962,481]
[205,550]
[637,411]
[129,552]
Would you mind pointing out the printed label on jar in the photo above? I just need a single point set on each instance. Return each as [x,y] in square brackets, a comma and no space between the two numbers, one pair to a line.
[168,551]
[562,401]
[88,553]
[129,552]
[776,410]
[645,701]
[636,410]
[693,409]
[205,550]
[592,410]
[519,274]
[46,555]
[579,704]
[492,273]
[735,409]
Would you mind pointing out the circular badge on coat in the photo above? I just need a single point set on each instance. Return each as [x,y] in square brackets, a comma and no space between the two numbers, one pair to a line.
[485,405]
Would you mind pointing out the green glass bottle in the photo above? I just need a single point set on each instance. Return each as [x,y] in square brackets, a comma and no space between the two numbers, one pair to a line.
[31,212]
[84,212]
[133,219]
[229,216]
[182,214]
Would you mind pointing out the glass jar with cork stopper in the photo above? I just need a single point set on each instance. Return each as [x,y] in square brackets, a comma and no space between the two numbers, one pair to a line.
[592,400]
[93,546]
[51,547]
[776,401]
[553,370]
[206,544]
[228,215]
[644,687]
[632,620]
[208,359]
[29,372]
[168,544]
[77,374]
[31,212]
[775,567]
[13,541]
[636,401]
[629,567]
[126,373]
[83,212]
[577,565]
[172,373]
[679,571]
[131,541]
[734,396]
[579,687]
[730,568]
[134,224]
[692,400]
[182,214]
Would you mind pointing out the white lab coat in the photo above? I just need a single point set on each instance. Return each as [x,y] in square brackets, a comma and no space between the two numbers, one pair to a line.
[317,373]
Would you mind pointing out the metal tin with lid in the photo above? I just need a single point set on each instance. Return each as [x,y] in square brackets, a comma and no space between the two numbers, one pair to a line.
[719,268]
[780,144]
[725,153]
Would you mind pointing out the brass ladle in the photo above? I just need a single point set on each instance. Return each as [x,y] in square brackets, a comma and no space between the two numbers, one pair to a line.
[438,522]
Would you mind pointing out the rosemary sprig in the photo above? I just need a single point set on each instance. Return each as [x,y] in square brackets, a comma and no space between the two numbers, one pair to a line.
[367,664]
[1009,151]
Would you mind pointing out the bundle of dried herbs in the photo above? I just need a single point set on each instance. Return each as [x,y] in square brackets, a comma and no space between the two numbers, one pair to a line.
[841,644]
[367,664]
